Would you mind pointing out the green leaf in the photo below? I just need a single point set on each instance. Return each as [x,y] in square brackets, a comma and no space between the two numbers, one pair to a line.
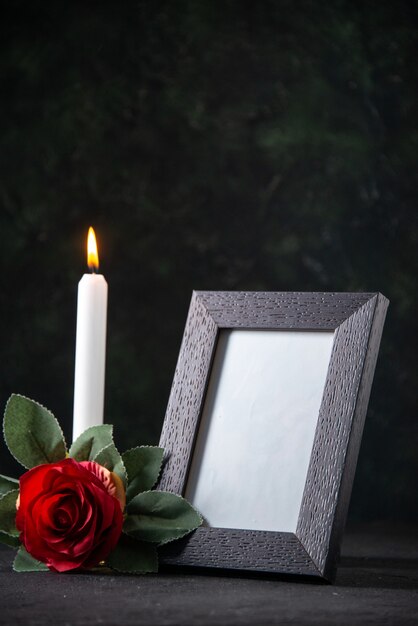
[8,513]
[32,433]
[9,540]
[91,441]
[24,562]
[110,458]
[8,484]
[160,517]
[143,465]
[133,557]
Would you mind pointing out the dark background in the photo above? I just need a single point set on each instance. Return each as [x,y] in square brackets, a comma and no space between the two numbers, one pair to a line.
[265,145]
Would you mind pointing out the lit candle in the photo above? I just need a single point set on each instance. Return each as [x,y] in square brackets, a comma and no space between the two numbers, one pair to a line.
[90,352]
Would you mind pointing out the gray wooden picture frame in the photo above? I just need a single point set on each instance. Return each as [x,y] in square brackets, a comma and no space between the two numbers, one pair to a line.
[357,320]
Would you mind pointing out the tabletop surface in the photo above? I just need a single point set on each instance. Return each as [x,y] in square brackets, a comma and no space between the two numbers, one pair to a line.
[377,583]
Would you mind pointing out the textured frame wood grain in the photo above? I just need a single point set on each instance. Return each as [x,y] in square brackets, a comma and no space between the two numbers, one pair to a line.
[313,550]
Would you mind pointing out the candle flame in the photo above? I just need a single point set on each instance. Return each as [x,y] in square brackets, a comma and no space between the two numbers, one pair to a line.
[92,254]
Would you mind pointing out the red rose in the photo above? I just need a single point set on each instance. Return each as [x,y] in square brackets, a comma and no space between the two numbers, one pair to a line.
[69,514]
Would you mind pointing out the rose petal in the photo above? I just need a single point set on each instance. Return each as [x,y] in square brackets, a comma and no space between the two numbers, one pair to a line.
[112,482]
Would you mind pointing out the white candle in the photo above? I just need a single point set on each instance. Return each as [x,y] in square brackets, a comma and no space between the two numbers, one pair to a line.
[90,345]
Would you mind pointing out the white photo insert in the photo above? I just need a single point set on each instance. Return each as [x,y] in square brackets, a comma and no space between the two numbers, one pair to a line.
[257,428]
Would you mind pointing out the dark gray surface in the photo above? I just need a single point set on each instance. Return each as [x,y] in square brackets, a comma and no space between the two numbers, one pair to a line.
[377,583]
[357,320]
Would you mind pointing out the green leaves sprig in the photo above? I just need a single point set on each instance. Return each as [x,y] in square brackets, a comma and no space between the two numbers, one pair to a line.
[152,518]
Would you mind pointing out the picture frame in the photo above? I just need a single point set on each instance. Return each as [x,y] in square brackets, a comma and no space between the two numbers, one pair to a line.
[311,548]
